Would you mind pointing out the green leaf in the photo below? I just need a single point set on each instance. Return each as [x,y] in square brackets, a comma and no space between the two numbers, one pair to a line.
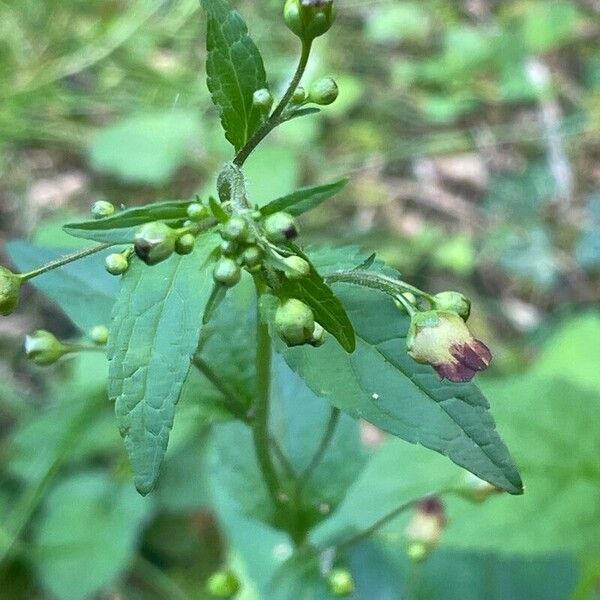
[146,149]
[379,382]
[83,289]
[120,228]
[304,200]
[235,71]
[327,308]
[155,332]
[83,550]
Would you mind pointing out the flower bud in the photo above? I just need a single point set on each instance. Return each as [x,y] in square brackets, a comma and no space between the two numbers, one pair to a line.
[155,242]
[10,287]
[298,267]
[263,100]
[442,339]
[43,348]
[309,19]
[185,244]
[227,272]
[116,264]
[340,582]
[294,322]
[223,584]
[99,335]
[280,227]
[453,302]
[102,209]
[318,336]
[195,211]
[475,489]
[299,95]
[323,91]
[252,257]
[425,528]
[235,230]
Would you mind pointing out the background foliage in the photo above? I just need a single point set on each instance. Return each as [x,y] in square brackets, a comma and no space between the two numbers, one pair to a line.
[470,131]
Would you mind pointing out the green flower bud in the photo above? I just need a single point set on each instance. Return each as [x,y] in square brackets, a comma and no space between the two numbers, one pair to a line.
[252,256]
[323,91]
[10,287]
[299,95]
[318,336]
[236,229]
[223,584]
[263,100]
[195,211]
[185,244]
[309,19]
[227,272]
[442,339]
[155,242]
[102,209]
[453,302]
[116,264]
[298,267]
[294,322]
[99,335]
[280,227]
[43,348]
[340,582]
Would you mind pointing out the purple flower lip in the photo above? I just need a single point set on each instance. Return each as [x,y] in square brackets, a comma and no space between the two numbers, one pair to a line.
[469,359]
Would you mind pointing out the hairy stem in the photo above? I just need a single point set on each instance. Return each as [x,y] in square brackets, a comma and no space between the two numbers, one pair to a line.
[275,119]
[233,403]
[65,260]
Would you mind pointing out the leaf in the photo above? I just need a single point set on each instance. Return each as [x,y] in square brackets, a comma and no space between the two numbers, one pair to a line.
[379,382]
[235,71]
[83,289]
[83,550]
[155,332]
[146,149]
[302,112]
[121,227]
[304,200]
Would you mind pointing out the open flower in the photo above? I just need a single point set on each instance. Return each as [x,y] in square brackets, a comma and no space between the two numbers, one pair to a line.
[442,339]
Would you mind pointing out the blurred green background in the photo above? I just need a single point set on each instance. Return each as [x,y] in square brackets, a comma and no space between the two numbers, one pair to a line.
[470,130]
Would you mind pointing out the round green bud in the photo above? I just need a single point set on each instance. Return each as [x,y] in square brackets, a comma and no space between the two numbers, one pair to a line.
[318,336]
[102,209]
[280,227]
[99,335]
[252,256]
[323,91]
[10,287]
[223,584]
[418,551]
[309,19]
[227,272]
[195,211]
[297,267]
[340,582]
[299,95]
[116,264]
[185,244]
[235,229]
[453,302]
[155,242]
[43,348]
[263,100]
[294,322]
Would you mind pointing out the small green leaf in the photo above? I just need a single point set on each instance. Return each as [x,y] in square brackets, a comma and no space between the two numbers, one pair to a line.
[303,200]
[120,228]
[155,332]
[216,297]
[217,210]
[327,308]
[235,71]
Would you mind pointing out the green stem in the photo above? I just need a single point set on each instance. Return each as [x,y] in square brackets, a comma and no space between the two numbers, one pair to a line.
[274,120]
[65,260]
[334,417]
[233,403]
[260,423]
[159,580]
